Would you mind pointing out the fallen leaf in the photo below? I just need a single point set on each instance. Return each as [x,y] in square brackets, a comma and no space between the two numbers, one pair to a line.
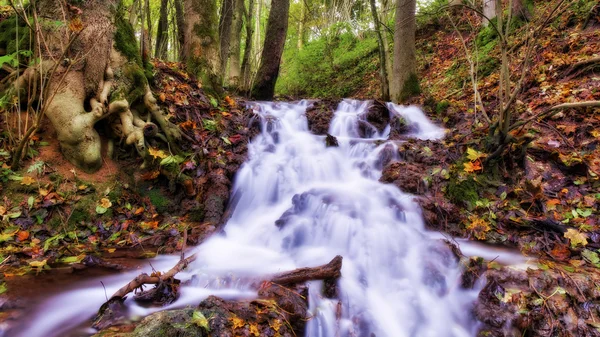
[22,235]
[471,167]
[27,181]
[474,155]
[156,153]
[576,237]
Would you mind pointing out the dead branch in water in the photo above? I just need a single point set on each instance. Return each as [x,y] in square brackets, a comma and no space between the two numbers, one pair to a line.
[329,271]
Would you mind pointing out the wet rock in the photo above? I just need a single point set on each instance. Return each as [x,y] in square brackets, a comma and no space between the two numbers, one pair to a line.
[440,214]
[407,176]
[377,115]
[387,154]
[172,323]
[331,141]
[319,116]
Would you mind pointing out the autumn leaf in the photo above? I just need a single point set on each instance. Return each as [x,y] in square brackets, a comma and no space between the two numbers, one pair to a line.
[104,205]
[478,226]
[139,211]
[471,167]
[474,155]
[27,181]
[150,175]
[22,235]
[229,101]
[156,153]
[76,25]
[576,237]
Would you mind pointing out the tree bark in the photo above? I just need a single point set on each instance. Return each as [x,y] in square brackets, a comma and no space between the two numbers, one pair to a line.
[201,45]
[162,31]
[404,80]
[520,10]
[235,46]
[489,11]
[225,22]
[267,74]
[248,48]
[385,90]
[180,18]
[301,25]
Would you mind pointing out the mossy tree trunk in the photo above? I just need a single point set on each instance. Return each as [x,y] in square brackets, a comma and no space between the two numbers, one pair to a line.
[404,79]
[248,46]
[92,58]
[264,87]
[385,90]
[225,23]
[201,50]
[162,31]
[234,77]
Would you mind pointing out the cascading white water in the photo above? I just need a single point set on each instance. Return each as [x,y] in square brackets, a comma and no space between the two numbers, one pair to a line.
[298,203]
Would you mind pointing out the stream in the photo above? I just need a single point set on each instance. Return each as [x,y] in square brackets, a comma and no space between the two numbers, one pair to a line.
[298,203]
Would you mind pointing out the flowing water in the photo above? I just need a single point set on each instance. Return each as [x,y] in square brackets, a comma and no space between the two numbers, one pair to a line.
[298,203]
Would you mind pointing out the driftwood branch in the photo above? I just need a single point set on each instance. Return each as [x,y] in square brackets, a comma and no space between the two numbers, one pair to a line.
[144,279]
[328,271]
[331,270]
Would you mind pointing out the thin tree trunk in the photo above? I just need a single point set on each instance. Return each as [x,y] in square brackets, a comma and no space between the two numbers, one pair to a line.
[301,27]
[266,77]
[162,31]
[225,22]
[180,26]
[201,48]
[149,23]
[520,10]
[248,47]
[385,91]
[489,11]
[234,48]
[404,78]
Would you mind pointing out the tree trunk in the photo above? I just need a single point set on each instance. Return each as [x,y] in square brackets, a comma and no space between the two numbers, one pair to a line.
[275,35]
[225,22]
[180,26]
[301,26]
[404,78]
[248,48]
[520,11]
[201,48]
[162,31]
[385,91]
[101,63]
[149,24]
[489,11]
[234,48]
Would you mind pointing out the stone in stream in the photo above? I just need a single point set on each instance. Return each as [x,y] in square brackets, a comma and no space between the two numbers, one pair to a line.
[319,116]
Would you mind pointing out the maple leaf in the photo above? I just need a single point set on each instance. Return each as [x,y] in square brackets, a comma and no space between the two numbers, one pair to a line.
[104,202]
[27,181]
[479,227]
[76,25]
[229,101]
[474,155]
[471,167]
[576,237]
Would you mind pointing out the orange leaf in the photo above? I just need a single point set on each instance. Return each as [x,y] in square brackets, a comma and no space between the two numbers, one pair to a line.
[22,235]
[471,167]
[76,25]
[139,211]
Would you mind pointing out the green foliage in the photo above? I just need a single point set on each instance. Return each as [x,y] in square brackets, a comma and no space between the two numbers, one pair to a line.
[10,28]
[441,107]
[463,191]
[328,66]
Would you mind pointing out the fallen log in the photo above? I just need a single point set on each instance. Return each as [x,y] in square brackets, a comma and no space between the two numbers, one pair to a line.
[331,270]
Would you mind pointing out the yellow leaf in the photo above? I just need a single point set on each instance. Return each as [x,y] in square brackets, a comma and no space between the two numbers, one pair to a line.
[111,250]
[576,237]
[104,202]
[473,155]
[471,167]
[2,210]
[229,101]
[38,264]
[43,192]
[479,227]
[27,181]
[237,322]
[156,153]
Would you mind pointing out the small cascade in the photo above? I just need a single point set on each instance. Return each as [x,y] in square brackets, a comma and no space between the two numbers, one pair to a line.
[298,203]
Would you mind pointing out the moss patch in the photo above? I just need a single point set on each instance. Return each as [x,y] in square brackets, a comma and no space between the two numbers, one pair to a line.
[411,87]
[125,40]
[463,191]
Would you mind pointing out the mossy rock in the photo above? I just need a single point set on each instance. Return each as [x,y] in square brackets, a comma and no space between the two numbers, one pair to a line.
[82,211]
[158,200]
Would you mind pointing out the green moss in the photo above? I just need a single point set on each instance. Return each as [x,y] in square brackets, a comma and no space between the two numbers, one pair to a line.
[196,214]
[125,40]
[131,83]
[82,211]
[463,191]
[411,87]
[160,202]
[441,107]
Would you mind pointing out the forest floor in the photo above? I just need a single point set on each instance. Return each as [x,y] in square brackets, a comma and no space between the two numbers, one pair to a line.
[541,198]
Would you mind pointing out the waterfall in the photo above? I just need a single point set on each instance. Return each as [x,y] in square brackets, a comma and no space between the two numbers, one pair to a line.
[298,203]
